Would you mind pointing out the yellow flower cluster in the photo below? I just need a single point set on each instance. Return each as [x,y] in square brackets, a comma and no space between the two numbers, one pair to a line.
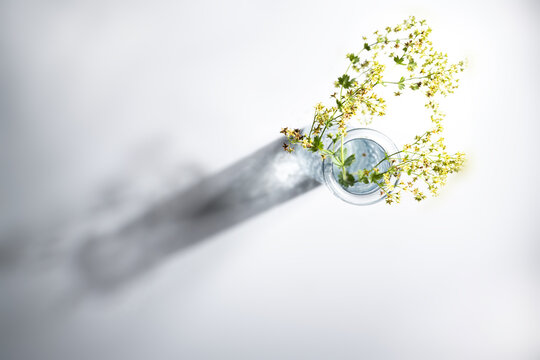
[425,70]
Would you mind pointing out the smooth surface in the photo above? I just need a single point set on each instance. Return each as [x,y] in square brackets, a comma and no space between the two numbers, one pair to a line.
[108,108]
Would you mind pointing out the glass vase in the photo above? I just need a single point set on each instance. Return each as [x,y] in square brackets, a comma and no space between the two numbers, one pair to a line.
[370,148]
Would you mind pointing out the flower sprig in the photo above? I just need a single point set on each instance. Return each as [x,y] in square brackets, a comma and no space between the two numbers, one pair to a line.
[421,166]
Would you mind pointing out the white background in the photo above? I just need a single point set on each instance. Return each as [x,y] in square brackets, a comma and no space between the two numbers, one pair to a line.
[142,98]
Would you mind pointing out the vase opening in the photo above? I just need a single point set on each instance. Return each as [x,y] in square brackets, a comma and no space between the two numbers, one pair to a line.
[368,154]
[370,148]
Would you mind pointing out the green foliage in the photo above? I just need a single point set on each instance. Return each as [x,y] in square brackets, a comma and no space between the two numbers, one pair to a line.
[399,60]
[412,65]
[353,58]
[317,145]
[348,161]
[346,179]
[345,81]
[401,83]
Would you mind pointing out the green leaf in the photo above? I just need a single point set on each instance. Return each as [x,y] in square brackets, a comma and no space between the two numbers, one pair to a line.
[374,177]
[412,65]
[349,160]
[399,60]
[337,161]
[345,81]
[415,86]
[346,180]
[327,152]
[317,143]
[353,58]
[367,47]
[350,179]
[401,83]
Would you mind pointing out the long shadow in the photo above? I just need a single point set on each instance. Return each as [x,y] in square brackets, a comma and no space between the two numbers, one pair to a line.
[255,184]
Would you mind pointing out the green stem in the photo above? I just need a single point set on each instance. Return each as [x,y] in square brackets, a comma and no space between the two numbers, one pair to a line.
[342,159]
[400,151]
[387,157]
[312,125]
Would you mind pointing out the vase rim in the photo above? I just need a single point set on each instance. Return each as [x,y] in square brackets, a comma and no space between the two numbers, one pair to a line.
[372,197]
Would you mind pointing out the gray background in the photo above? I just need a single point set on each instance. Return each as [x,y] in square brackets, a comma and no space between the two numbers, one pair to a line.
[108,108]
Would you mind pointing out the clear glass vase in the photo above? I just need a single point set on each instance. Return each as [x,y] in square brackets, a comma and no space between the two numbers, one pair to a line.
[370,148]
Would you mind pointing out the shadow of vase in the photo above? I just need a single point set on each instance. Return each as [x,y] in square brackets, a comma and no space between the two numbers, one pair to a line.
[265,179]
